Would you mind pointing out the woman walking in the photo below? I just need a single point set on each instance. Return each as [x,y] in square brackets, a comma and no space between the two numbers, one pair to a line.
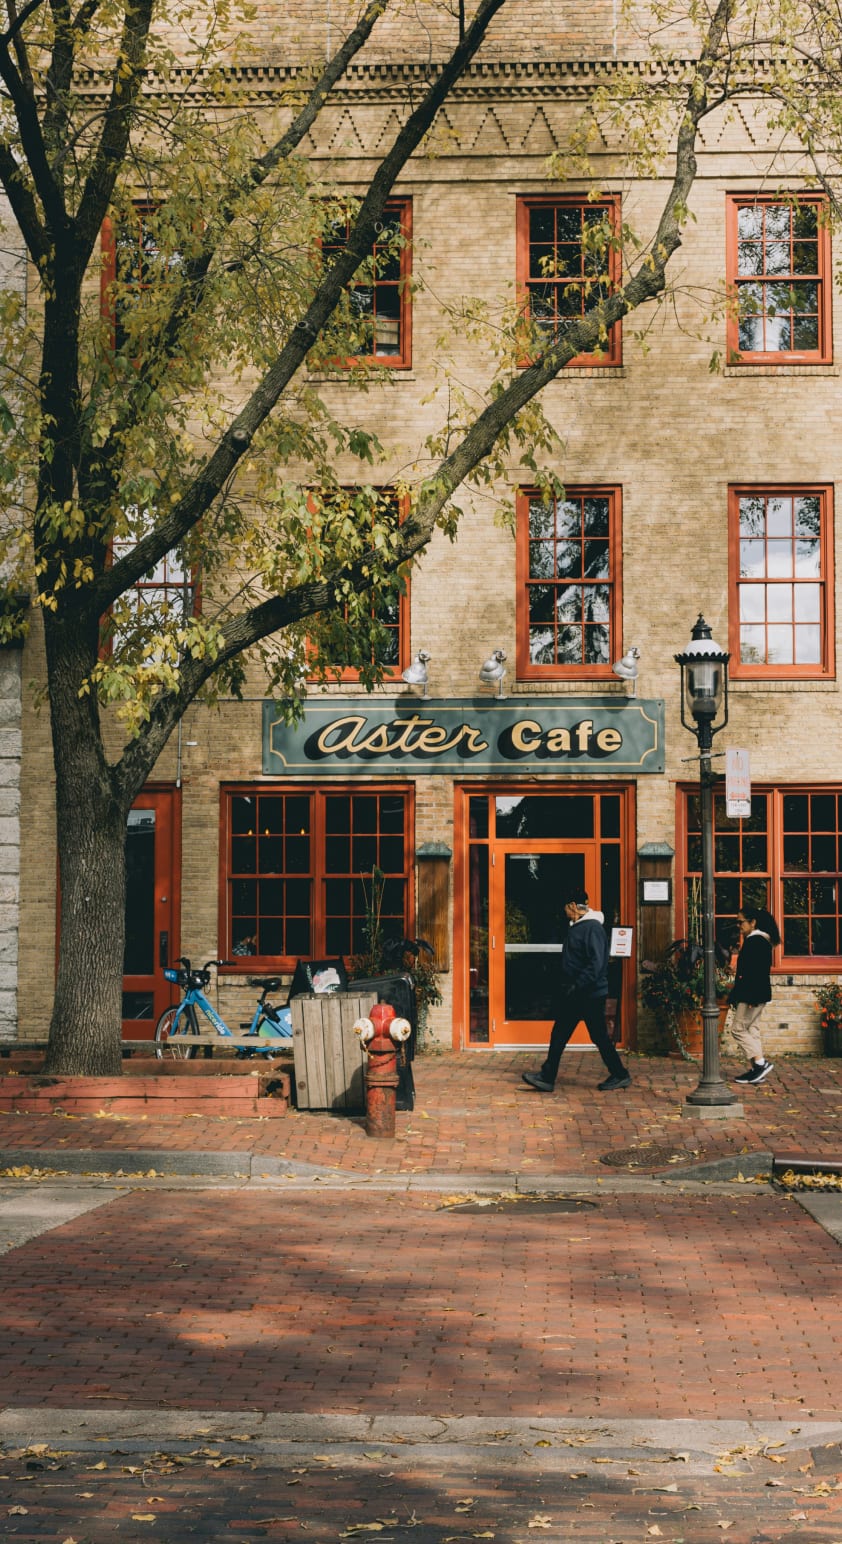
[752,988]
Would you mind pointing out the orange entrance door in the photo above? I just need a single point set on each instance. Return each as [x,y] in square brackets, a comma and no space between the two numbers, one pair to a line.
[152,911]
[528,885]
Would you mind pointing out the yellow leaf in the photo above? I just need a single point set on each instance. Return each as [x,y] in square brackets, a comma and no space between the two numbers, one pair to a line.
[144,1517]
[656,1530]
[540,1520]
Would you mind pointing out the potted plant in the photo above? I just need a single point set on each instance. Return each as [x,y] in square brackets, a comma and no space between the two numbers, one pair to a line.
[674,990]
[387,955]
[829,1000]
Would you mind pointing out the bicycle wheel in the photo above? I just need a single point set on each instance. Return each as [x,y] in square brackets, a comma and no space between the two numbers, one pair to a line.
[168,1039]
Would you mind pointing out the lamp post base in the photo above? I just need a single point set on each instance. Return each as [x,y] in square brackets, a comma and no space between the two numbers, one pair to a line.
[735,1111]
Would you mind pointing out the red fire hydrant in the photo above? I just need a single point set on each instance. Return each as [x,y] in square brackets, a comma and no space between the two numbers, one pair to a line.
[381,1034]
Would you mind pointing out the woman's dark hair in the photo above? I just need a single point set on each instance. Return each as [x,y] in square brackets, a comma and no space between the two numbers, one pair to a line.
[763,920]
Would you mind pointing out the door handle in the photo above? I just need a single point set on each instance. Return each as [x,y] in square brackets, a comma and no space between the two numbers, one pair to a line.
[163,948]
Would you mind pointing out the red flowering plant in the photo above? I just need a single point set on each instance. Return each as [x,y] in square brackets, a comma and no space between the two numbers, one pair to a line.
[829,999]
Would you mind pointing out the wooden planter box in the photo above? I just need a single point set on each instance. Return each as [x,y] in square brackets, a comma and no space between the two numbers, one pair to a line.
[329,1058]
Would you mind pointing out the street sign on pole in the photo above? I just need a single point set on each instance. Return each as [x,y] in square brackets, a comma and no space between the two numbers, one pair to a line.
[737,784]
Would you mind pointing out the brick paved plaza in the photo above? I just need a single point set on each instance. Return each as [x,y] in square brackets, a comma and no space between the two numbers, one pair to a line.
[481,1329]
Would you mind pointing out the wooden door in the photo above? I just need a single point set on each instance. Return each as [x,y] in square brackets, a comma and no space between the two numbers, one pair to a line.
[152,911]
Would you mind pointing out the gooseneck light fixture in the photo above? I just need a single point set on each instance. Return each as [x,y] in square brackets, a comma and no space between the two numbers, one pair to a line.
[492,671]
[416,673]
[627,667]
[704,711]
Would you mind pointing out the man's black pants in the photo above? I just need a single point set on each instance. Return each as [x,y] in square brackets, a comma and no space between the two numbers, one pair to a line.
[573,1009]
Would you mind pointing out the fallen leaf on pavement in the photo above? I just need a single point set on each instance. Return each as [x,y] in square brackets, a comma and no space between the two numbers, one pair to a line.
[540,1520]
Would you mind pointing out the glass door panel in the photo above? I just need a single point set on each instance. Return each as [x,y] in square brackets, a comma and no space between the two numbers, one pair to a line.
[529,886]
[535,928]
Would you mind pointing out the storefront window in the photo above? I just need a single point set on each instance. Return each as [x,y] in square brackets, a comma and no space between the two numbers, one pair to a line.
[301,867]
[787,855]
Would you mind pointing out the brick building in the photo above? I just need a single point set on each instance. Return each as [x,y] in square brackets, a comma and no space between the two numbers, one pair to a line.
[686,489]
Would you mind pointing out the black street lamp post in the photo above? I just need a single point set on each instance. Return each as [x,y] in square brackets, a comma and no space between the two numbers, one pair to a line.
[704,691]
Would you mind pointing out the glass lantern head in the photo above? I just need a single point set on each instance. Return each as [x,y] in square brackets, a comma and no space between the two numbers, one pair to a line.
[704,676]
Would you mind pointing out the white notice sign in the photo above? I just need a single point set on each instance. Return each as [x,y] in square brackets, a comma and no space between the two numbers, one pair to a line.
[737,784]
[621,942]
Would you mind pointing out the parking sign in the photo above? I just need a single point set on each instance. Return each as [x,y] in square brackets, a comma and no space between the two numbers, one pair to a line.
[737,784]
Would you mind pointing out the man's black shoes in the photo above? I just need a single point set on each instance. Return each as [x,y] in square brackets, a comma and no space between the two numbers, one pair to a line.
[616,1080]
[535,1080]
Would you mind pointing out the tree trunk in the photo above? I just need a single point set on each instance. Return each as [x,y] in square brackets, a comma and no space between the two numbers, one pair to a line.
[91,825]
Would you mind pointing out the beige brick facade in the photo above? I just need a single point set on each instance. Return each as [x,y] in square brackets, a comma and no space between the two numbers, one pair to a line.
[663,427]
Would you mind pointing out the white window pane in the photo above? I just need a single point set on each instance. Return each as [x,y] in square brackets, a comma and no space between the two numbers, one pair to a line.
[807,558]
[779,517]
[752,645]
[779,602]
[807,603]
[752,603]
[780,645]
[752,559]
[779,559]
[808,646]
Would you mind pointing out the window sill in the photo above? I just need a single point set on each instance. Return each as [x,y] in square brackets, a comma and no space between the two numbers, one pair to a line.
[584,685]
[810,684]
[590,373]
[383,373]
[734,372]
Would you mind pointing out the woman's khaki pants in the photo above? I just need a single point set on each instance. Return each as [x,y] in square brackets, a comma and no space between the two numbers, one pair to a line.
[744,1029]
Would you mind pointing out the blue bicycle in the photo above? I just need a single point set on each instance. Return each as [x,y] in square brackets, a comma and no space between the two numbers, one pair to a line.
[268,1025]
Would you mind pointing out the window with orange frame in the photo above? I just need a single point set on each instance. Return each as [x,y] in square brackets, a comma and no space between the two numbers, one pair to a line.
[785,856]
[131,254]
[781,589]
[390,611]
[569,572]
[381,303]
[562,270]
[296,867]
[779,279]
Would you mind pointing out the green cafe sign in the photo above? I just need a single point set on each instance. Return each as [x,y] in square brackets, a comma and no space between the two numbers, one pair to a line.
[401,736]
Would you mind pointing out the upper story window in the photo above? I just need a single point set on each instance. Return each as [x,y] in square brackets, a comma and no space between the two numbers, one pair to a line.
[568,583]
[134,261]
[380,302]
[168,594]
[778,272]
[781,606]
[390,611]
[568,259]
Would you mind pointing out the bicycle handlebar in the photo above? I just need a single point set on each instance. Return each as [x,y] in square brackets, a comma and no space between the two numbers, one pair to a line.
[183,960]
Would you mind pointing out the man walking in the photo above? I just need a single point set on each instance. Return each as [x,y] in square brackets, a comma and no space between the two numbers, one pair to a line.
[584,988]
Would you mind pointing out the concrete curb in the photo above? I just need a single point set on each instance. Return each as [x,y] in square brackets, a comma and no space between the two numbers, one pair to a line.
[450,1439]
[749,1165]
[153,1163]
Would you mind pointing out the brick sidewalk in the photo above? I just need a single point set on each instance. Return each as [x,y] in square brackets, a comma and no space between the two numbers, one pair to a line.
[654,1306]
[473,1114]
[209,1489]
